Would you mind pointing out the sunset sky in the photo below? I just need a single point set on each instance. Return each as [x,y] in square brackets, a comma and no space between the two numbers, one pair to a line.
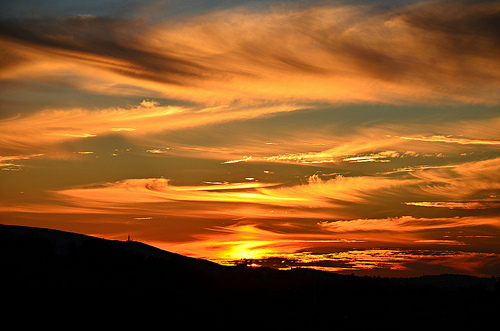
[351,136]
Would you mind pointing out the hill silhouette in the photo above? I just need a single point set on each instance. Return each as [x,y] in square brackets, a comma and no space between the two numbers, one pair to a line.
[47,272]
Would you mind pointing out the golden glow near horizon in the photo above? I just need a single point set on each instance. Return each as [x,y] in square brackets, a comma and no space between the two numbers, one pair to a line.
[344,137]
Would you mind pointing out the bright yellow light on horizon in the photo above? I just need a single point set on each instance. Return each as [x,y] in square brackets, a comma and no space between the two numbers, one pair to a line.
[247,249]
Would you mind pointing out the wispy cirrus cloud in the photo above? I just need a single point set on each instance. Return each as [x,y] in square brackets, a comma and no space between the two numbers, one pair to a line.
[378,143]
[426,52]
[457,205]
[317,199]
[405,224]
[41,131]
[473,185]
[456,140]
[11,162]
[315,194]
[469,180]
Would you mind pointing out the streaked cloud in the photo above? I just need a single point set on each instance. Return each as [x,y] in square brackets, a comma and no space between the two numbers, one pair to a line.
[457,205]
[315,194]
[467,181]
[427,52]
[11,162]
[381,143]
[406,224]
[339,196]
[43,130]
[345,151]
[339,136]
[462,141]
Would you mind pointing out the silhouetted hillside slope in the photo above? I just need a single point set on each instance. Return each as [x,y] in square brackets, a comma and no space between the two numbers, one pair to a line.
[46,272]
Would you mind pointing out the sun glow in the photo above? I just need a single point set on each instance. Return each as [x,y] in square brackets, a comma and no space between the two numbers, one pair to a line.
[322,134]
[245,249]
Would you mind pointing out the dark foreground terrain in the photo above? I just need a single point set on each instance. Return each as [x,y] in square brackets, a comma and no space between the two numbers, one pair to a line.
[49,276]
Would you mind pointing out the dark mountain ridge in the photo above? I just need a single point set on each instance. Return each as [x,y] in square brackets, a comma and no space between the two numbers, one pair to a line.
[80,274]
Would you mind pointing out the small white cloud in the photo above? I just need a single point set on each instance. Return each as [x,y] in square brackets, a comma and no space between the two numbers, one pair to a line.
[122,129]
[244,159]
[149,103]
[157,150]
[74,135]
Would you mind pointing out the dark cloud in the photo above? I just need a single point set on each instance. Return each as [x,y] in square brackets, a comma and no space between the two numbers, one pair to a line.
[458,31]
[457,19]
[107,42]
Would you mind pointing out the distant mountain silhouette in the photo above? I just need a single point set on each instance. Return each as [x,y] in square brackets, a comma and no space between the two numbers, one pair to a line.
[48,273]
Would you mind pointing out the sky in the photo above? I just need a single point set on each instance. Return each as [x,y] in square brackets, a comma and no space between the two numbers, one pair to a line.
[349,136]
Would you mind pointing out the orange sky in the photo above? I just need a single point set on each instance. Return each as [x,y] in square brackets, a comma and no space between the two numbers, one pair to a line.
[346,136]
